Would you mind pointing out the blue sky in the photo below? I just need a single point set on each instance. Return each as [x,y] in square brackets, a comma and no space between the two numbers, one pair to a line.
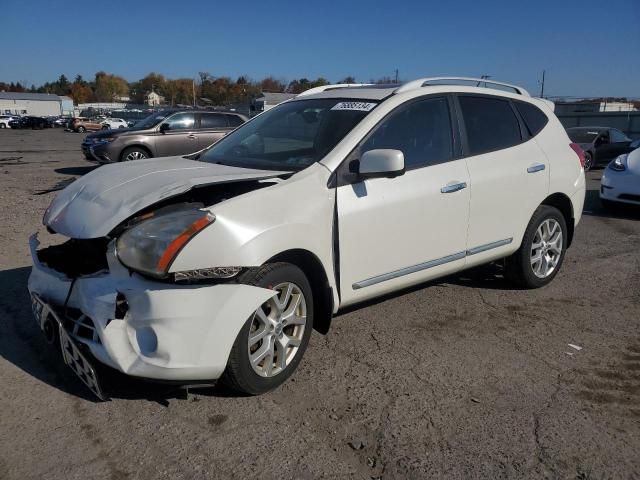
[588,48]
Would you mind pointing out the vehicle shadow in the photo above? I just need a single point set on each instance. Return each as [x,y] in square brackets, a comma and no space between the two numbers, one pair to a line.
[593,207]
[488,277]
[76,170]
[23,345]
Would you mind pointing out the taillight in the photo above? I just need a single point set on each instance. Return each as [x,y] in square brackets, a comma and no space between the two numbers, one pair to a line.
[576,148]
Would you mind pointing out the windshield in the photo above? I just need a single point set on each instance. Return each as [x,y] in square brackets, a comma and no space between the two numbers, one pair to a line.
[152,120]
[583,136]
[290,136]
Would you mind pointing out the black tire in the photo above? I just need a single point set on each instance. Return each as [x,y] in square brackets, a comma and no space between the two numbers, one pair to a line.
[239,374]
[2,125]
[141,152]
[518,266]
[588,161]
[81,130]
[105,127]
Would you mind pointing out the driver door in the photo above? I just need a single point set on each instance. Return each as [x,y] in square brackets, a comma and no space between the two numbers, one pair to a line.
[395,232]
[177,135]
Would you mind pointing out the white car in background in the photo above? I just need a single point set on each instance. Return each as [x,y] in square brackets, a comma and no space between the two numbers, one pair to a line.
[620,181]
[113,123]
[217,265]
[5,119]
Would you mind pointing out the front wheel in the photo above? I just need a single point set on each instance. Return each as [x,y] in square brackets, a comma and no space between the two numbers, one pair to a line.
[542,251]
[134,153]
[272,341]
[81,129]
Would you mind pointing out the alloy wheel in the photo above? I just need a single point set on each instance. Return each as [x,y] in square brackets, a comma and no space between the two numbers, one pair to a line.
[137,155]
[277,330]
[546,249]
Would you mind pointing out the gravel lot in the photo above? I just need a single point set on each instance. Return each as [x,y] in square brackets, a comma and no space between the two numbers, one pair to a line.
[461,378]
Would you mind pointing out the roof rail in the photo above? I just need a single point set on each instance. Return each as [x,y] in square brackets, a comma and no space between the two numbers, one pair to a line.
[322,88]
[423,82]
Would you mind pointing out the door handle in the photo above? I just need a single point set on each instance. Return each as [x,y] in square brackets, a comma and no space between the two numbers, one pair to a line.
[191,136]
[536,167]
[453,187]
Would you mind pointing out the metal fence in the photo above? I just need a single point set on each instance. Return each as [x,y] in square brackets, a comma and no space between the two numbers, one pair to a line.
[628,122]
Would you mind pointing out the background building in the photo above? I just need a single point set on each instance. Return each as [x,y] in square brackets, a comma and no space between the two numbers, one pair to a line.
[37,104]
[269,100]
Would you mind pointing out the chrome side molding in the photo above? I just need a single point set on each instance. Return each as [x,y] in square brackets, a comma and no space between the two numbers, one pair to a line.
[430,264]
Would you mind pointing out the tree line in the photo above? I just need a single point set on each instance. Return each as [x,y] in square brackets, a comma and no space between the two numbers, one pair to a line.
[206,88]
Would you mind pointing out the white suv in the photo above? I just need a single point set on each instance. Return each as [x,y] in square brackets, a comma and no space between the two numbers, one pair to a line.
[113,123]
[218,265]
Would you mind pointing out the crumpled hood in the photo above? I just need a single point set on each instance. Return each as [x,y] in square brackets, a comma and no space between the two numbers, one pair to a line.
[96,203]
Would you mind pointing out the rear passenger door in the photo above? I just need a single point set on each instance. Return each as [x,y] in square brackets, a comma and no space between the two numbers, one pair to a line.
[509,174]
[213,126]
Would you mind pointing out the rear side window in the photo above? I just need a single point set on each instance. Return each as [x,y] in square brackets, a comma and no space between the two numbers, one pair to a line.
[213,120]
[234,120]
[421,131]
[533,117]
[491,124]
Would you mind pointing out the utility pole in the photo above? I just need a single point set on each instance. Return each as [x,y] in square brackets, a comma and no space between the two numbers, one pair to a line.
[542,86]
[396,70]
[193,86]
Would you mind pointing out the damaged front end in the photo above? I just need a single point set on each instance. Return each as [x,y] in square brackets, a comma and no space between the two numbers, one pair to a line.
[170,327]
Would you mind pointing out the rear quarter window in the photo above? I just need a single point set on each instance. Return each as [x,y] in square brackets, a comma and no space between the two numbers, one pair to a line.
[533,117]
[490,124]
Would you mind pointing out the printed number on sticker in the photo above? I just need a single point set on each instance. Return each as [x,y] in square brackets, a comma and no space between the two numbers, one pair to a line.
[359,106]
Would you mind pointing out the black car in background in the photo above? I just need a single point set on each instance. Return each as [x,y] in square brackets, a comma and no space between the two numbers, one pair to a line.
[29,122]
[600,144]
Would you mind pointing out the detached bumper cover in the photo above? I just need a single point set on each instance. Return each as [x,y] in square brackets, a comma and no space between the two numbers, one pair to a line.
[169,332]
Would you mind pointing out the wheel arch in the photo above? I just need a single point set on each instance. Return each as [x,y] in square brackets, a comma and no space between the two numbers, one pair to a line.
[322,292]
[135,145]
[563,203]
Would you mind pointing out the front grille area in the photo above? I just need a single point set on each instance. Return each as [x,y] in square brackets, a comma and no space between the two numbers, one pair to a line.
[77,324]
[75,258]
[630,197]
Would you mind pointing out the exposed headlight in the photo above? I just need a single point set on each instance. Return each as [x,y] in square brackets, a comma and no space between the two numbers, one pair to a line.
[151,246]
[618,164]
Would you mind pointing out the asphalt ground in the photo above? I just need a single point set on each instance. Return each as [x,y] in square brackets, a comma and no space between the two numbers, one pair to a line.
[465,377]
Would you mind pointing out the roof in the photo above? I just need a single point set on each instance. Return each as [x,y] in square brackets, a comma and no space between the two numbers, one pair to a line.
[272,98]
[29,96]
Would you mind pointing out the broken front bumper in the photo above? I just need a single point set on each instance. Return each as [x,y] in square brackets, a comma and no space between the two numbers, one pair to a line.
[157,330]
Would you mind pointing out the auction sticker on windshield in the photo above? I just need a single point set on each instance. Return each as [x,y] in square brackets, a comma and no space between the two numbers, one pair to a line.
[358,106]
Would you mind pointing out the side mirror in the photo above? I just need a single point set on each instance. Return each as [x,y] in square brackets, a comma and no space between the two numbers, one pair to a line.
[164,127]
[381,163]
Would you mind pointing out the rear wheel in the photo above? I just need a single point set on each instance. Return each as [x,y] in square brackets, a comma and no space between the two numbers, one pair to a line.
[588,161]
[272,341]
[134,153]
[81,129]
[2,125]
[105,127]
[542,251]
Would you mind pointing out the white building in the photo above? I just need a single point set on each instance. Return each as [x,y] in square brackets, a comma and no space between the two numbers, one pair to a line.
[152,99]
[37,104]
[617,107]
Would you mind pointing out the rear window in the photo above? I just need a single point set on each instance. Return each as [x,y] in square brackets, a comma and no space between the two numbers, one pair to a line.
[213,120]
[234,120]
[533,117]
[583,135]
[490,123]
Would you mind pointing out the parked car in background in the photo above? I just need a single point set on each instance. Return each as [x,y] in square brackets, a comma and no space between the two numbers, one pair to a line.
[82,124]
[218,266]
[5,119]
[162,134]
[29,122]
[61,121]
[112,123]
[600,144]
[620,182]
